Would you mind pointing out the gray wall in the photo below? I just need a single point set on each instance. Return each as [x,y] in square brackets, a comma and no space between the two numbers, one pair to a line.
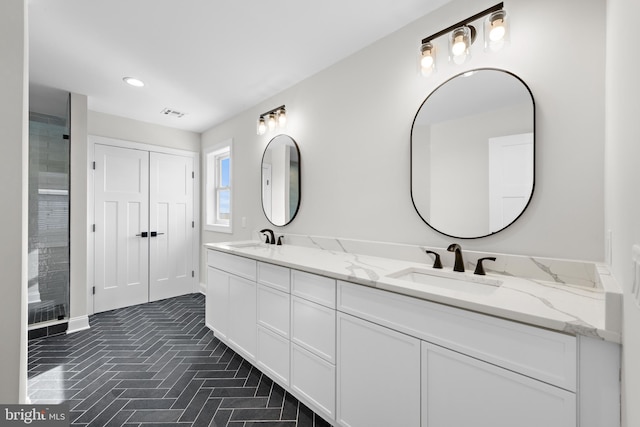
[352,122]
[14,160]
[622,180]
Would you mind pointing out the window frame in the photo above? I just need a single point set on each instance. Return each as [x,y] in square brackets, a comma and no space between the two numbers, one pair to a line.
[212,163]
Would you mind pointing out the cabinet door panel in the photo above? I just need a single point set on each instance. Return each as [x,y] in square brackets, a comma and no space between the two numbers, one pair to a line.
[273,309]
[242,316]
[217,302]
[458,390]
[378,375]
[273,355]
[314,380]
[313,326]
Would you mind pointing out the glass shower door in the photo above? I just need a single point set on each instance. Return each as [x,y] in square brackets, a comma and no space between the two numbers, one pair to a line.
[48,220]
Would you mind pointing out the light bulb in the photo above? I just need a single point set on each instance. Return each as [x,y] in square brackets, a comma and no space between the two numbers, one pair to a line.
[272,121]
[262,127]
[497,31]
[427,61]
[459,46]
[427,58]
[282,118]
[461,39]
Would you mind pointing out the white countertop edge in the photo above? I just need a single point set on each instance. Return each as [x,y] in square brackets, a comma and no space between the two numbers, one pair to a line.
[558,322]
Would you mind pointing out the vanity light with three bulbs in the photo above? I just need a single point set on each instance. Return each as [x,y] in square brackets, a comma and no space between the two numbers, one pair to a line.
[272,119]
[463,34]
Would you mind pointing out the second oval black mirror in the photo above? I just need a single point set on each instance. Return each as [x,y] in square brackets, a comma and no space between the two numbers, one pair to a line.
[281,180]
[472,154]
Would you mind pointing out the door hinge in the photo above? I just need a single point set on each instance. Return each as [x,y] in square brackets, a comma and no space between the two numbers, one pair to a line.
[193,224]
[94,165]
[193,175]
[94,290]
[93,228]
[193,273]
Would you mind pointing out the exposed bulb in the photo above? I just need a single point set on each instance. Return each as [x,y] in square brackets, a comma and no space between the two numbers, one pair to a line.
[262,126]
[427,61]
[497,30]
[282,118]
[427,58]
[272,121]
[459,46]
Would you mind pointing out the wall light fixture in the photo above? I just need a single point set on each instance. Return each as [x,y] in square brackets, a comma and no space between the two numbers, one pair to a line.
[463,34]
[272,119]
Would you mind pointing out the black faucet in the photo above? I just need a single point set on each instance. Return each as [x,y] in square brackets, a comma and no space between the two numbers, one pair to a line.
[436,262]
[459,263]
[480,268]
[271,238]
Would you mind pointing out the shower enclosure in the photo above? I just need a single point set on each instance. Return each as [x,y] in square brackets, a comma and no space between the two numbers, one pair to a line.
[48,294]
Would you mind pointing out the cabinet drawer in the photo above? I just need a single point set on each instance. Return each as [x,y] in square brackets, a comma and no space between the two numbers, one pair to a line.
[535,352]
[313,327]
[274,275]
[233,264]
[314,380]
[314,288]
[273,355]
[273,309]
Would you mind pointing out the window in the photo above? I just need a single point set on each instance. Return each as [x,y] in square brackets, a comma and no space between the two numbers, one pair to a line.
[218,193]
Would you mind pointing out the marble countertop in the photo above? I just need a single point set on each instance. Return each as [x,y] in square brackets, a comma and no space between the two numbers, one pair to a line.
[564,307]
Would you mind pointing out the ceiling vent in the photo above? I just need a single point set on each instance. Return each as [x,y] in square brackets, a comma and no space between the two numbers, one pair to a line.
[172,113]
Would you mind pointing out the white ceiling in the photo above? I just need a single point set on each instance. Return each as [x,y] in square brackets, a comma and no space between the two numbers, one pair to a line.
[208,58]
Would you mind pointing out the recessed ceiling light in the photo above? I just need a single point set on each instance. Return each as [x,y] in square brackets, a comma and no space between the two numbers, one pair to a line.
[133,81]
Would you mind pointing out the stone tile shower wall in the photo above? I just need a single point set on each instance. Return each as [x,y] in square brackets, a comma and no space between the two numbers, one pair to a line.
[48,218]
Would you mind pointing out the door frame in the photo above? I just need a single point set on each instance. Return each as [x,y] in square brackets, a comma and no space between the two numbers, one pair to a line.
[92,140]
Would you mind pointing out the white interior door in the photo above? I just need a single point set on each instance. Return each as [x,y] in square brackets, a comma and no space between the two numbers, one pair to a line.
[510,178]
[170,226]
[121,216]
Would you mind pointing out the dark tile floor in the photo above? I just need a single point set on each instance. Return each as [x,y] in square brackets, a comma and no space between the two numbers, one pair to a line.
[157,364]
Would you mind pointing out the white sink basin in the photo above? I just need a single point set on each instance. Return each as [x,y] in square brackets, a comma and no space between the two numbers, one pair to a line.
[454,281]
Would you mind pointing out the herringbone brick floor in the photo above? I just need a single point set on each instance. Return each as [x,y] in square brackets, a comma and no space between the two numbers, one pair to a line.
[157,364]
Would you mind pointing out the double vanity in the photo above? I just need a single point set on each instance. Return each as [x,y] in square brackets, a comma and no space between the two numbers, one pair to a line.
[367,340]
[379,335]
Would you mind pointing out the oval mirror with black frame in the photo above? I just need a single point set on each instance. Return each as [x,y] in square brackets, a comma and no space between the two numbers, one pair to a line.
[472,154]
[281,180]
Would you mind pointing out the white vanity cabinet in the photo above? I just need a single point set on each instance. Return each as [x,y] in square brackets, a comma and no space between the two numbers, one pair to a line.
[231,301]
[364,357]
[313,341]
[439,366]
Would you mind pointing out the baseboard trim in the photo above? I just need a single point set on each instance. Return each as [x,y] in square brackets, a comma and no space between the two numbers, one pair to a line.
[77,324]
